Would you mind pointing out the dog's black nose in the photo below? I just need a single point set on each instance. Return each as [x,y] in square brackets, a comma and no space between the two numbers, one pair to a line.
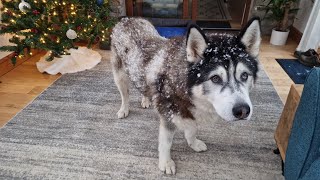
[241,111]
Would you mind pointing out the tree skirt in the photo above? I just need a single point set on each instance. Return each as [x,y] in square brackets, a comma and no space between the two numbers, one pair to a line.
[79,60]
[4,41]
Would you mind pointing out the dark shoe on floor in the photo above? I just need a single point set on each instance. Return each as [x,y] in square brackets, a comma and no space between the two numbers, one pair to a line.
[297,54]
[310,52]
[309,58]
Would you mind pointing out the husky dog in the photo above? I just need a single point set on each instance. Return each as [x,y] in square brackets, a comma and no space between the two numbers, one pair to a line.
[185,77]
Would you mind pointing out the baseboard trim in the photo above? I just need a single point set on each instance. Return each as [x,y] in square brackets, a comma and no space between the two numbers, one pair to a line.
[6,64]
[295,34]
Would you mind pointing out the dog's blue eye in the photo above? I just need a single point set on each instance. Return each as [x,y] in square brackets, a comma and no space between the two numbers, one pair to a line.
[216,79]
[244,76]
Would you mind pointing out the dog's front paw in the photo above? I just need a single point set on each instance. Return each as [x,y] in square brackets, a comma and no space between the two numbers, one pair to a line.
[145,102]
[198,146]
[123,112]
[168,167]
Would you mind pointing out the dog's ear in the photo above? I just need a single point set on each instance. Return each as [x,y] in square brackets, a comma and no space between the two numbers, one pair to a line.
[250,36]
[196,43]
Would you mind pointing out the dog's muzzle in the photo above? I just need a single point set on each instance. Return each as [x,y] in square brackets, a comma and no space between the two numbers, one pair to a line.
[241,111]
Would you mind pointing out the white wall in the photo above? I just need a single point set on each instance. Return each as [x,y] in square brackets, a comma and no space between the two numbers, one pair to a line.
[303,14]
[311,36]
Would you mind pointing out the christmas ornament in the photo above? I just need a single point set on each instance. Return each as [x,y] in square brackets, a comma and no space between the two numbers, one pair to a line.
[34,30]
[71,34]
[79,28]
[53,38]
[24,5]
[9,13]
[15,54]
[55,26]
[35,12]
[97,39]
[100,2]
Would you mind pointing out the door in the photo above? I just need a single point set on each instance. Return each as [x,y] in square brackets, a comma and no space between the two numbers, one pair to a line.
[177,9]
[206,13]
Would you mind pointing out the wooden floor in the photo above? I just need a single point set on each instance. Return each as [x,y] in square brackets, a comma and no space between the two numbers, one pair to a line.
[21,85]
[279,78]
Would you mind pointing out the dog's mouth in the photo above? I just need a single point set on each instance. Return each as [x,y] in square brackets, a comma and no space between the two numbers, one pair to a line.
[235,120]
[242,119]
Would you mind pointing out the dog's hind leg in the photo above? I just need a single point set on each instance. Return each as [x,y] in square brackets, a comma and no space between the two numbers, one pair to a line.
[190,131]
[166,164]
[122,81]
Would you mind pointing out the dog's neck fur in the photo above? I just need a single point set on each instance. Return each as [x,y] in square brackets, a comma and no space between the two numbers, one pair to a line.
[171,88]
[183,101]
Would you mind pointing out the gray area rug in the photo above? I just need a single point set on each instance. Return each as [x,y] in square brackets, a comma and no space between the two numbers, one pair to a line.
[71,132]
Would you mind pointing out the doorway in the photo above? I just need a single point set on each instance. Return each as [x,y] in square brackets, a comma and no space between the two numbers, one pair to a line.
[208,14]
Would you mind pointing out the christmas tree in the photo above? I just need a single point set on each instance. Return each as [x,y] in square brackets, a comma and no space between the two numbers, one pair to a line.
[54,25]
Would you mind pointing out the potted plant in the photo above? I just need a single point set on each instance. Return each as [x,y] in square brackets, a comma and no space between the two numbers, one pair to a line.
[281,12]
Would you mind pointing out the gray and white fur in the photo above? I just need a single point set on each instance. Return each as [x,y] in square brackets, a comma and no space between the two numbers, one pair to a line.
[185,77]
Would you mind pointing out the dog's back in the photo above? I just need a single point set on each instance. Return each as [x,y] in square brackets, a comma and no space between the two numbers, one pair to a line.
[132,37]
[135,41]
[133,30]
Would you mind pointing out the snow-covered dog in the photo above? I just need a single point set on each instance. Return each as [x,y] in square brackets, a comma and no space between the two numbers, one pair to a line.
[186,77]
